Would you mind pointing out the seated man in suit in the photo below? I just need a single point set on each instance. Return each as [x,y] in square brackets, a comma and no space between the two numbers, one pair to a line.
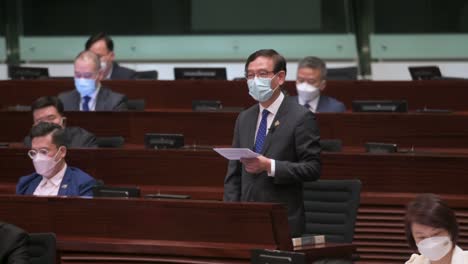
[52,176]
[310,82]
[89,95]
[284,133]
[13,245]
[50,109]
[103,46]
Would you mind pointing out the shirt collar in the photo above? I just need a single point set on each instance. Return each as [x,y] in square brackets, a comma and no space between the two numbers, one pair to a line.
[57,178]
[313,103]
[110,71]
[273,108]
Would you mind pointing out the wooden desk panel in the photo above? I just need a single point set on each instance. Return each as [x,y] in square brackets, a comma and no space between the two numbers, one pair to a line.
[443,94]
[216,128]
[201,173]
[134,230]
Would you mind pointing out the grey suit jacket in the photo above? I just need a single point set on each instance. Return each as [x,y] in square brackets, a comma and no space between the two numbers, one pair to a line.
[13,245]
[107,100]
[121,73]
[293,142]
[76,137]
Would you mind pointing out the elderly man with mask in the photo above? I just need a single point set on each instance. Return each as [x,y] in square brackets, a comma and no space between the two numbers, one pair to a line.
[311,82]
[53,176]
[285,135]
[89,95]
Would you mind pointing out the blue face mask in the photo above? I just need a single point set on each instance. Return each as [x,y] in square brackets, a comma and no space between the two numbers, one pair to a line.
[260,88]
[85,86]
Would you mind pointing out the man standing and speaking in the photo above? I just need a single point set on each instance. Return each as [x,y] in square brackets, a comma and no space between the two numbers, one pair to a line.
[284,133]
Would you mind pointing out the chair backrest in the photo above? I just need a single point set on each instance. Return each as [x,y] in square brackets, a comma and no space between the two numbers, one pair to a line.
[331,145]
[42,248]
[331,208]
[110,142]
[136,104]
[346,73]
[146,75]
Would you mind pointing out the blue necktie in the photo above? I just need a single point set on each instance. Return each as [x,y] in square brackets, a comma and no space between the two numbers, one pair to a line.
[261,133]
[85,105]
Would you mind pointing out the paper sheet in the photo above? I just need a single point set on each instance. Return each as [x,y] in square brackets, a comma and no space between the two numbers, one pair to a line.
[236,153]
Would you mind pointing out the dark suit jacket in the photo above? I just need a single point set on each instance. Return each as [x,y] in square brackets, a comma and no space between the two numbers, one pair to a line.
[13,245]
[293,144]
[76,137]
[121,73]
[328,104]
[107,100]
[75,182]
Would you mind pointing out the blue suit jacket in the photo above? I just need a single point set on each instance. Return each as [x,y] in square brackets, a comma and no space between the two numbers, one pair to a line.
[75,182]
[328,104]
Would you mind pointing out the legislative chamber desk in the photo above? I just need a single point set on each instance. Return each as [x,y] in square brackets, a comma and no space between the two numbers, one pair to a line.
[216,128]
[389,181]
[442,94]
[104,230]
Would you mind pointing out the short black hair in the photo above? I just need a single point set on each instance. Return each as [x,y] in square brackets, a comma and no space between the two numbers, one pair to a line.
[44,128]
[97,37]
[430,210]
[278,59]
[46,101]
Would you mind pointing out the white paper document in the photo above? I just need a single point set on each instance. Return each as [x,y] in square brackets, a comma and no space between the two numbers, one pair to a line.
[236,153]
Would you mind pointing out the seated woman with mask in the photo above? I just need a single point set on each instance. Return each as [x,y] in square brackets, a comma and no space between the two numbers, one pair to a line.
[432,229]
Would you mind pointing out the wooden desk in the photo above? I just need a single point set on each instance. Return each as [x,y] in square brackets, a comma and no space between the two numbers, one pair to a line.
[389,182]
[153,231]
[444,94]
[216,128]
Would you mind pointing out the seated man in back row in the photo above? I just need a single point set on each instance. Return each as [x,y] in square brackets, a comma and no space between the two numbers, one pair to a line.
[50,109]
[103,46]
[53,176]
[310,82]
[89,94]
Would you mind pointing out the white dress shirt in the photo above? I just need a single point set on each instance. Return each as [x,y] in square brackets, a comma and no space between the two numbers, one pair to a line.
[92,101]
[273,109]
[313,103]
[50,187]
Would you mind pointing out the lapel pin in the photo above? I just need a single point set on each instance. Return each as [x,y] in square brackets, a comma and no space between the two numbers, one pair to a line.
[64,186]
[277,123]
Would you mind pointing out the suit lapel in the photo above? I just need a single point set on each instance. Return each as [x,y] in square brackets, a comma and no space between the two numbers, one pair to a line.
[251,127]
[76,101]
[283,109]
[65,184]
[34,183]
[100,99]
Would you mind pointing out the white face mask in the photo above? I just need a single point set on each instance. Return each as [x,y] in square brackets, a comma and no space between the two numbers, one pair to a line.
[307,92]
[435,248]
[44,164]
[260,88]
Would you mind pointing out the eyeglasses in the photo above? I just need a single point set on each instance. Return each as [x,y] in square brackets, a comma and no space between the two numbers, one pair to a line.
[33,153]
[261,74]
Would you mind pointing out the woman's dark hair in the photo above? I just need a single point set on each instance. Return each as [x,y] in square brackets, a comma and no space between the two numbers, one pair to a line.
[428,209]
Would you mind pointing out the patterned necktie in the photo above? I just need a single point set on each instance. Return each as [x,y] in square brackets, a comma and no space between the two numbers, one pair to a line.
[261,133]
[85,105]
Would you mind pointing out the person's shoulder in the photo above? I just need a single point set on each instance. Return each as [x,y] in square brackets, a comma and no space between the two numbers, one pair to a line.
[76,130]
[11,229]
[67,94]
[107,92]
[294,107]
[331,99]
[416,259]
[28,178]
[121,73]
[79,175]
